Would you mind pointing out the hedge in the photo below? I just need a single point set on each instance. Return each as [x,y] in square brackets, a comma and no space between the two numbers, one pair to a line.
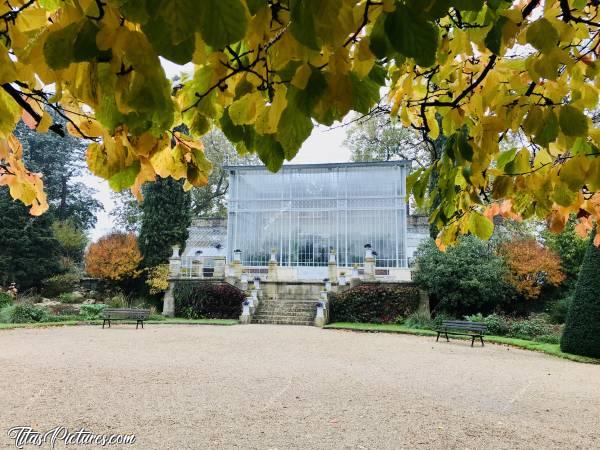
[581,335]
[374,303]
[205,300]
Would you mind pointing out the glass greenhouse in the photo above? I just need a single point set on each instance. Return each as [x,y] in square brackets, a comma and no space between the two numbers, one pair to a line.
[303,211]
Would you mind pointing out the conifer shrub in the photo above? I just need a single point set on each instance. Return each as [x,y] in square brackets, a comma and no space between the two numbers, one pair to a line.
[205,300]
[5,299]
[22,313]
[581,335]
[374,303]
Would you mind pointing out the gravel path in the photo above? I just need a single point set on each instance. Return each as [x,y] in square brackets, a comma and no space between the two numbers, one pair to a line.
[265,387]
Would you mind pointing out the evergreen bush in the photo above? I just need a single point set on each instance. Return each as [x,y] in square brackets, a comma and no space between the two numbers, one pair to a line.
[203,300]
[5,299]
[57,284]
[374,303]
[22,313]
[467,278]
[581,335]
[92,312]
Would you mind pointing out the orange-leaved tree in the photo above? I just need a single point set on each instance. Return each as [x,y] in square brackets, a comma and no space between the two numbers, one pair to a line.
[114,257]
[532,266]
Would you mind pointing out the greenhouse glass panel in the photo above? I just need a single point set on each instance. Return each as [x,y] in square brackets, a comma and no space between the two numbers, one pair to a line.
[303,211]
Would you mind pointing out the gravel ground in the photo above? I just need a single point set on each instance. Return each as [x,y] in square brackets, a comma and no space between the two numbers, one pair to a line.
[266,387]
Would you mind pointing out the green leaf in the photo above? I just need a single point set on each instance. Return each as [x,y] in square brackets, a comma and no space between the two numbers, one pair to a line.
[85,48]
[573,172]
[412,35]
[563,195]
[480,226]
[365,93]
[293,129]
[179,17]
[235,133]
[255,5]
[464,147]
[58,47]
[159,36]
[505,157]
[269,151]
[379,43]
[305,100]
[221,22]
[493,40]
[303,23]
[542,35]
[573,122]
[135,10]
[520,164]
[125,178]
[417,183]
[548,129]
[467,5]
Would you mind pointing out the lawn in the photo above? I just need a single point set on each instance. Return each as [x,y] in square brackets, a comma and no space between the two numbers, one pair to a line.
[551,349]
[165,321]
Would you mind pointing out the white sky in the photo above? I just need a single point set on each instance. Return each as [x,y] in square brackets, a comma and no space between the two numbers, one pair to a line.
[324,145]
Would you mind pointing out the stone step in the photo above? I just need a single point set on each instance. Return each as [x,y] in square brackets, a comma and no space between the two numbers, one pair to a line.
[269,301]
[284,314]
[282,322]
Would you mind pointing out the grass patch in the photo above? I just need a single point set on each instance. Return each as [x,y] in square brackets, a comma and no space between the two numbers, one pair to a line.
[165,321]
[550,349]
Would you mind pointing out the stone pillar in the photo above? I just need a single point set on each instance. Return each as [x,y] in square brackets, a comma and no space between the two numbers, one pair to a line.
[169,301]
[272,268]
[322,316]
[244,281]
[246,316]
[236,264]
[369,263]
[332,267]
[354,276]
[219,267]
[175,262]
[197,268]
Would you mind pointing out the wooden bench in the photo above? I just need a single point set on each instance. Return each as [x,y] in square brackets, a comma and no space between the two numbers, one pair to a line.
[139,315]
[463,328]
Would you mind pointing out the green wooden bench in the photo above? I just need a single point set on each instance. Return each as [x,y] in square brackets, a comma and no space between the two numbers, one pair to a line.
[463,328]
[139,315]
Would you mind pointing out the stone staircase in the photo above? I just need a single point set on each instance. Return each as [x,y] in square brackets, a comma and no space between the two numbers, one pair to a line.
[293,305]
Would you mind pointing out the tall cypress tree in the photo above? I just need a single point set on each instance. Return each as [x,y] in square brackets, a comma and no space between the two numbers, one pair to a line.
[166,216]
[29,252]
[582,328]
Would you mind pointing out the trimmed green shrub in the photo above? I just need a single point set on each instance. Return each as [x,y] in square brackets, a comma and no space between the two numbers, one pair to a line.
[374,303]
[92,312]
[203,300]
[64,282]
[5,299]
[582,328]
[529,329]
[22,313]
[465,279]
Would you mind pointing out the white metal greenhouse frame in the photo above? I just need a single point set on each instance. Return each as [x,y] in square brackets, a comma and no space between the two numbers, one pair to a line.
[303,211]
